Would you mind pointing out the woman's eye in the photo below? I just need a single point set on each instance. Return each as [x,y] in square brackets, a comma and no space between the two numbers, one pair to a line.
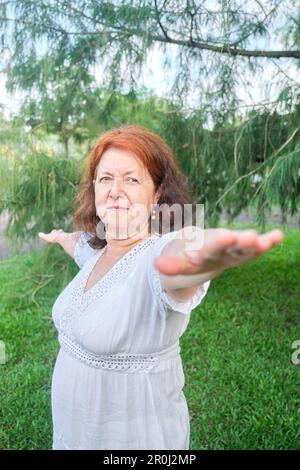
[105,178]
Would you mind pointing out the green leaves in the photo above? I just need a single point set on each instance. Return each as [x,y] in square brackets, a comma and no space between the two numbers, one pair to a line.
[40,194]
[209,41]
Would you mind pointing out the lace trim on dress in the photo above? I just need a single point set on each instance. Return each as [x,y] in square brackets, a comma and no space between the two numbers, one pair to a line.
[125,362]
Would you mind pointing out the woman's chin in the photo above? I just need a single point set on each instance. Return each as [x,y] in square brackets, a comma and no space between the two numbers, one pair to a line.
[126,230]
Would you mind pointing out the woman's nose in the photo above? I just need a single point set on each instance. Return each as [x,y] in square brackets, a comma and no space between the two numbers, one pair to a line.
[116,186]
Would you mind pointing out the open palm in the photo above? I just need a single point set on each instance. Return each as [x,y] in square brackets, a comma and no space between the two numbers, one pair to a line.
[54,236]
[220,249]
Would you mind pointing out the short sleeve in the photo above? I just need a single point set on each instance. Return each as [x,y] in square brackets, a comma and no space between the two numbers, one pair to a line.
[83,251]
[167,302]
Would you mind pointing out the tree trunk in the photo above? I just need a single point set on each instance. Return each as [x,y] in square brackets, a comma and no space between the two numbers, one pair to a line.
[283,218]
[66,144]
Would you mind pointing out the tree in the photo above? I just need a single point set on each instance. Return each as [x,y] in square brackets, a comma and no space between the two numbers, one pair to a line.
[63,107]
[213,42]
[221,145]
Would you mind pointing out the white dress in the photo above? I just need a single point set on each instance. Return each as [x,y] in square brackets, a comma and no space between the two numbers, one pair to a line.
[118,377]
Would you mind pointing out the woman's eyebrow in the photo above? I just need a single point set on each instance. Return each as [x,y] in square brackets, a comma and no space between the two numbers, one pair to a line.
[126,172]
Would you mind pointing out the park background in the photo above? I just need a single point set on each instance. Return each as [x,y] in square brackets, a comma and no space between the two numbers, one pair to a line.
[220,82]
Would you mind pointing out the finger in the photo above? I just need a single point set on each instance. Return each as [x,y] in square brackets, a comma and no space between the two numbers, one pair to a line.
[254,246]
[276,235]
[249,240]
[45,236]
[172,265]
[265,242]
[213,248]
[236,243]
[246,238]
[42,234]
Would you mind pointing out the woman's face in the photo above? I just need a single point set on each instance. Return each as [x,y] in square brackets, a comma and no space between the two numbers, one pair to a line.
[121,180]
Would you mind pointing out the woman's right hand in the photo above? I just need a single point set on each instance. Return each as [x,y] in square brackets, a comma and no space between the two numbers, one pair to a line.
[55,236]
[67,240]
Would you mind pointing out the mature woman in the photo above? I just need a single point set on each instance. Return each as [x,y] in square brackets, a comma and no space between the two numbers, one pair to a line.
[118,377]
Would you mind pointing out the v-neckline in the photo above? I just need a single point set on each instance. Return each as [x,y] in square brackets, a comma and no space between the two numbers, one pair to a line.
[98,256]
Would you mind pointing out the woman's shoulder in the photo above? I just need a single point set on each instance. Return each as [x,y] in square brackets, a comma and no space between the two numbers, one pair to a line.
[161,239]
[83,251]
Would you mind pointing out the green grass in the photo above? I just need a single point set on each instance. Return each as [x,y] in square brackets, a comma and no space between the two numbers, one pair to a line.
[241,386]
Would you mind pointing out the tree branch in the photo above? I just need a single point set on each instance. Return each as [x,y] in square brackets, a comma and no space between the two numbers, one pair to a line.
[224,49]
[255,29]
[159,22]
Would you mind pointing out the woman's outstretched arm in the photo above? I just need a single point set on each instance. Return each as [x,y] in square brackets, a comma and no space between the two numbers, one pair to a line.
[199,255]
[66,240]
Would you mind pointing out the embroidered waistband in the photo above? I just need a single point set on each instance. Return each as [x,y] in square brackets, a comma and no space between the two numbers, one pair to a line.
[122,362]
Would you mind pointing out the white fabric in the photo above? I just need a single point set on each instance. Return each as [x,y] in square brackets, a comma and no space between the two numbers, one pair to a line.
[83,251]
[118,377]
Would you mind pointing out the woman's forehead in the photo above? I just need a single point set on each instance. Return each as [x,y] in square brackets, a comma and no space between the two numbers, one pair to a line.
[116,161]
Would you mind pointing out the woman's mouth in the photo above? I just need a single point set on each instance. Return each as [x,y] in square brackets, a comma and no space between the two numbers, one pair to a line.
[115,208]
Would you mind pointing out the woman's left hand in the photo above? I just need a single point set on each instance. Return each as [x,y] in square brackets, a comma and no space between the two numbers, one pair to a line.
[219,249]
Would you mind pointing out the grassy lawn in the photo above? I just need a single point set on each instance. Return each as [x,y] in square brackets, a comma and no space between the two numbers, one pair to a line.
[241,386]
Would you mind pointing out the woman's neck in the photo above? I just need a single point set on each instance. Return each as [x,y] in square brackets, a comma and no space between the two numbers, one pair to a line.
[118,246]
